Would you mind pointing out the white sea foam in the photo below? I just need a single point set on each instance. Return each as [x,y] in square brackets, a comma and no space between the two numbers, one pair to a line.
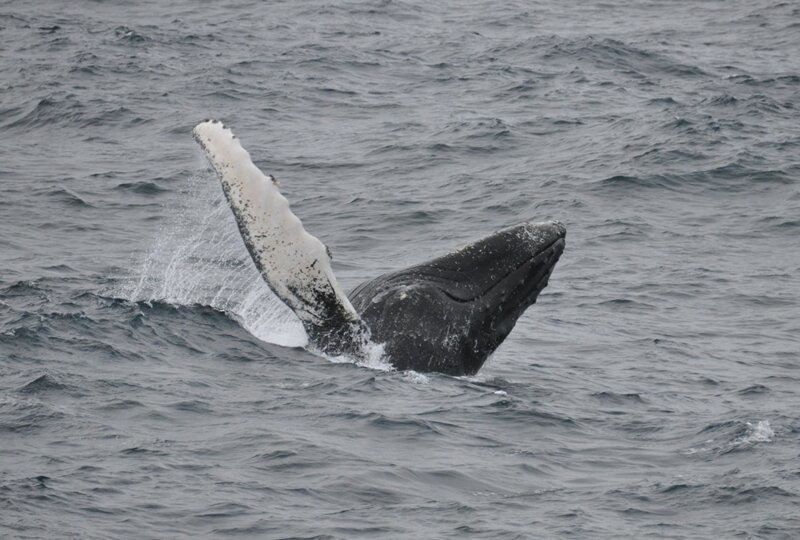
[760,432]
[374,358]
[416,377]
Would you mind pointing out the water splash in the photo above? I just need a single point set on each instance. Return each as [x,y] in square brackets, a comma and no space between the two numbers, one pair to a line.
[760,432]
[199,258]
[415,377]
[737,436]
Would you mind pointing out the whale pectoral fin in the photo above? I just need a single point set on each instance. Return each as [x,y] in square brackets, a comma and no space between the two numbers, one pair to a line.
[295,264]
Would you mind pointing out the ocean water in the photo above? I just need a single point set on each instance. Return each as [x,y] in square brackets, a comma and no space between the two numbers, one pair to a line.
[152,387]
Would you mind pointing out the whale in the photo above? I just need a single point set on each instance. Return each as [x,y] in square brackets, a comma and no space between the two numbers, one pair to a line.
[446,315]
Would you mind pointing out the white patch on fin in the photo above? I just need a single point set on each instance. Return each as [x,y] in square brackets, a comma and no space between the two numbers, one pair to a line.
[295,264]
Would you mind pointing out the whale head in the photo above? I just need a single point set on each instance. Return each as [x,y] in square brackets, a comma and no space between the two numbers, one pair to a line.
[449,314]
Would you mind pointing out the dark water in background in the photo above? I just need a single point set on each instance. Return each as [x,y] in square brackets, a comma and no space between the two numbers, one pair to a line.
[652,391]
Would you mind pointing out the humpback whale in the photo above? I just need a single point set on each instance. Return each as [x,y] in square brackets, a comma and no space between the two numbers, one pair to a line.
[446,315]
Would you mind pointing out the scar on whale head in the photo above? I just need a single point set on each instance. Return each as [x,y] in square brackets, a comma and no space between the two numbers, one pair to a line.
[447,315]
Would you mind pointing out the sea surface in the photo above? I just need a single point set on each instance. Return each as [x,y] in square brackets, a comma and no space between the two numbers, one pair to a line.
[152,387]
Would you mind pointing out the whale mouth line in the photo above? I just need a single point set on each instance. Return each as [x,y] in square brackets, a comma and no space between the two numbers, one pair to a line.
[547,250]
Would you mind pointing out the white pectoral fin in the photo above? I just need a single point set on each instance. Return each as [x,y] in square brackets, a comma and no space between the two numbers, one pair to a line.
[295,264]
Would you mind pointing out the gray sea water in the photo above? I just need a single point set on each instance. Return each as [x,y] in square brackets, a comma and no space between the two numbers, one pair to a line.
[151,386]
